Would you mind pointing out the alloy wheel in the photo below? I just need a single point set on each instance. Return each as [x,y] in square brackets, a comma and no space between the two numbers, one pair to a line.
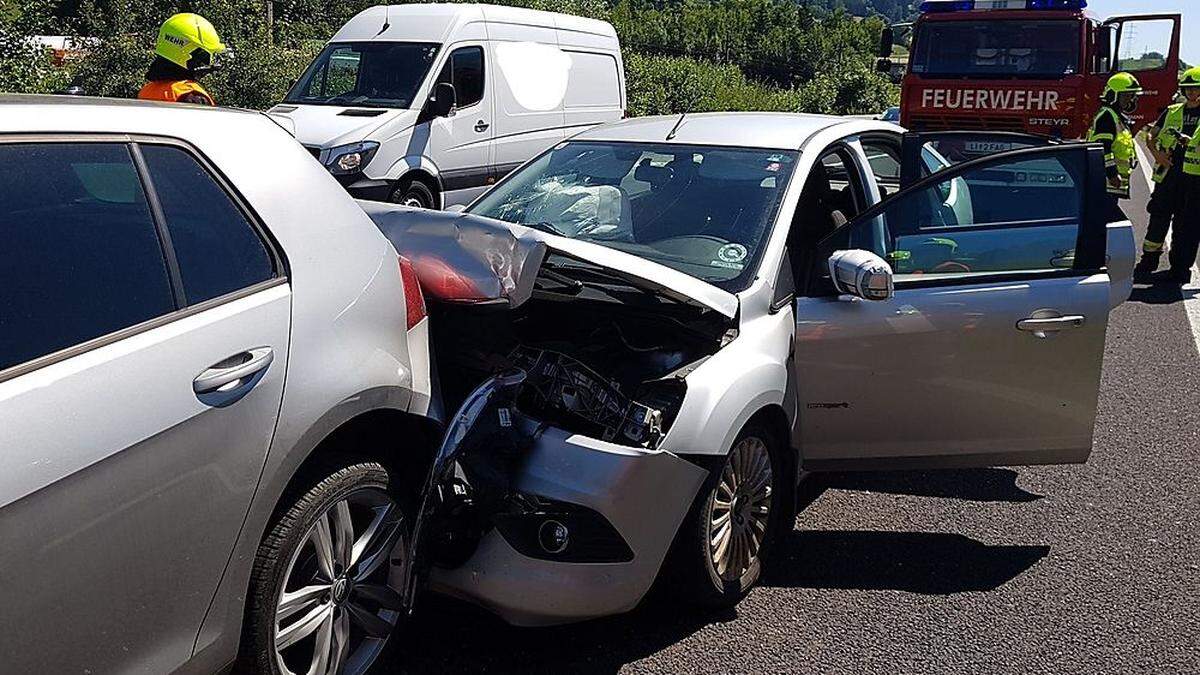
[336,609]
[740,510]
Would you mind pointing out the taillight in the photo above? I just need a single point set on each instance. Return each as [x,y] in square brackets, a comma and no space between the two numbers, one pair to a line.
[444,283]
[413,299]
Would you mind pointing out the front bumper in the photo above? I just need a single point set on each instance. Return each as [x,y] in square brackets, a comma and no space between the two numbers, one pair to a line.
[623,506]
[643,495]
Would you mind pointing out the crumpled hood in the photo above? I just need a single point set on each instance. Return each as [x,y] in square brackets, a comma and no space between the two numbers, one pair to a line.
[499,261]
[326,126]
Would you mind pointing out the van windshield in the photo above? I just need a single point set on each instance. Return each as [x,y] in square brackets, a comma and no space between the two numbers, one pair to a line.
[997,49]
[368,74]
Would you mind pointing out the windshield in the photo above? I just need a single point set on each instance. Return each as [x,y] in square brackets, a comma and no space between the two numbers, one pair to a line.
[705,211]
[369,74]
[1017,49]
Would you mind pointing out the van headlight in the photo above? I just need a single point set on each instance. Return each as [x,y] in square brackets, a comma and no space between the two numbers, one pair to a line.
[345,159]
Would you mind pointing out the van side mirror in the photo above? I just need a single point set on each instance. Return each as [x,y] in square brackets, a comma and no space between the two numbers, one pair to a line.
[884,66]
[861,274]
[442,103]
[886,39]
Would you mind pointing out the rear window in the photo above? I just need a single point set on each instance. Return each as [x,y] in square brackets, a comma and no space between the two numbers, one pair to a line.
[80,255]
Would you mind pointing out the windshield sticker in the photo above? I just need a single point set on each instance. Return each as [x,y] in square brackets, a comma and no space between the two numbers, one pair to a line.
[730,256]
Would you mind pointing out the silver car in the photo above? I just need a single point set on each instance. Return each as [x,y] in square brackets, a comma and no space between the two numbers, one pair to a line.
[654,330]
[214,386]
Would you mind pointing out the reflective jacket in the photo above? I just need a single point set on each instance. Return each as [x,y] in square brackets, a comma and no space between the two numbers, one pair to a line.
[174,90]
[1120,153]
[1168,138]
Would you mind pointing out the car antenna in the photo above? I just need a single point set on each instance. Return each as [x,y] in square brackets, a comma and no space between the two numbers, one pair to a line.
[687,109]
[387,20]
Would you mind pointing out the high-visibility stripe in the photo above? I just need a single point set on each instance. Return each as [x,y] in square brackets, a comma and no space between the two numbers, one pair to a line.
[1151,246]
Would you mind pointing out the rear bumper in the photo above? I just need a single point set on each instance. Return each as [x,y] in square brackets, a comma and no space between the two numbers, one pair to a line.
[643,495]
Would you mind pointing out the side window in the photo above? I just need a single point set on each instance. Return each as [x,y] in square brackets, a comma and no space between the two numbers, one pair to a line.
[1144,45]
[1019,216]
[217,249]
[464,69]
[80,256]
[884,161]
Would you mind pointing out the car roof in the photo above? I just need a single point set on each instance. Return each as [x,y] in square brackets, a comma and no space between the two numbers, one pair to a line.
[780,131]
[43,114]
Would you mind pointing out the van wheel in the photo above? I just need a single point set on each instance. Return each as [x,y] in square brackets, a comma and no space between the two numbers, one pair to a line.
[413,193]
[320,598]
[719,552]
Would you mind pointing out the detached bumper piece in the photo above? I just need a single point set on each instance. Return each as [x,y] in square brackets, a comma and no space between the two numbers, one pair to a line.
[540,525]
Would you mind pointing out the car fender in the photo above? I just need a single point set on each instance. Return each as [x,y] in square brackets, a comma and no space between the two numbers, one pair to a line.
[410,163]
[730,387]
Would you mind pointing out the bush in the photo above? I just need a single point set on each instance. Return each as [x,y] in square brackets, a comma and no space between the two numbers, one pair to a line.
[24,65]
[706,54]
[661,85]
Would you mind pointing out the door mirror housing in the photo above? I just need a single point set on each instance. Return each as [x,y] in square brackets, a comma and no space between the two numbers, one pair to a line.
[862,274]
[442,102]
[886,39]
[884,66]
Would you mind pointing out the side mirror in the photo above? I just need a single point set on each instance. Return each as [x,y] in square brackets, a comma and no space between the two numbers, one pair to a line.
[442,103]
[861,274]
[886,39]
[884,66]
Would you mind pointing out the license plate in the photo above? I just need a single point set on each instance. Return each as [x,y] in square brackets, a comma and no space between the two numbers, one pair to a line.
[987,147]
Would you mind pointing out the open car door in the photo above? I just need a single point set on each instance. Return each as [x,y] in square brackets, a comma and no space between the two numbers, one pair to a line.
[989,352]
[1147,46]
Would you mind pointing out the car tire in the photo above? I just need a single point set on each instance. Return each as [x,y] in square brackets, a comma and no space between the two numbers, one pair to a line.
[413,192]
[316,593]
[702,573]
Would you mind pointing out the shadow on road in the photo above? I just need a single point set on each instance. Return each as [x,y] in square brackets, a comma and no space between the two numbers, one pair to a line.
[447,636]
[976,485]
[1162,294]
[917,562]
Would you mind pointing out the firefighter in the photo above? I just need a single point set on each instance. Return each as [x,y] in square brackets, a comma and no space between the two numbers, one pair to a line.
[187,47]
[1111,127]
[1169,138]
[1186,239]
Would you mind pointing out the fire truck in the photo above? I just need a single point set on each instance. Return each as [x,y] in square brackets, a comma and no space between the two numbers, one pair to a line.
[1029,66]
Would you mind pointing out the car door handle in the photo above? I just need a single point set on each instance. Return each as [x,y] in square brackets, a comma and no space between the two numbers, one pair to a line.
[1041,327]
[481,126]
[233,370]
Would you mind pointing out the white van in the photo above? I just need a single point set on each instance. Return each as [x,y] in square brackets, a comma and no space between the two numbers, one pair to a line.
[429,105]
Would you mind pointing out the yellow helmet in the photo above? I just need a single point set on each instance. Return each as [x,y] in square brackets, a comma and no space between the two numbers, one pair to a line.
[1191,78]
[189,41]
[1121,83]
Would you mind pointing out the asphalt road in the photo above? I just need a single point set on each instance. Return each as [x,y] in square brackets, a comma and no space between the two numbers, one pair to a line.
[1090,569]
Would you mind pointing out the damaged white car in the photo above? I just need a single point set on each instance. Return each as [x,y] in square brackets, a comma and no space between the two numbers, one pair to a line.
[652,331]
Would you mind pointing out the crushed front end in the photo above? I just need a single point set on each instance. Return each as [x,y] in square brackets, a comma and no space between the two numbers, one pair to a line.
[549,500]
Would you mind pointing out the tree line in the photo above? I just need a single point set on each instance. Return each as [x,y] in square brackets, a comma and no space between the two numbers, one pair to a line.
[679,54]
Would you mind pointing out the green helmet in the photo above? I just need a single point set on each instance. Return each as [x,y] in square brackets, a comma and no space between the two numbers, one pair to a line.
[189,41]
[1191,78]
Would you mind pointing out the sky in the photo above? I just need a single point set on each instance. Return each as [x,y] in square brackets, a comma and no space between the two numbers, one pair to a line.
[1190,9]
